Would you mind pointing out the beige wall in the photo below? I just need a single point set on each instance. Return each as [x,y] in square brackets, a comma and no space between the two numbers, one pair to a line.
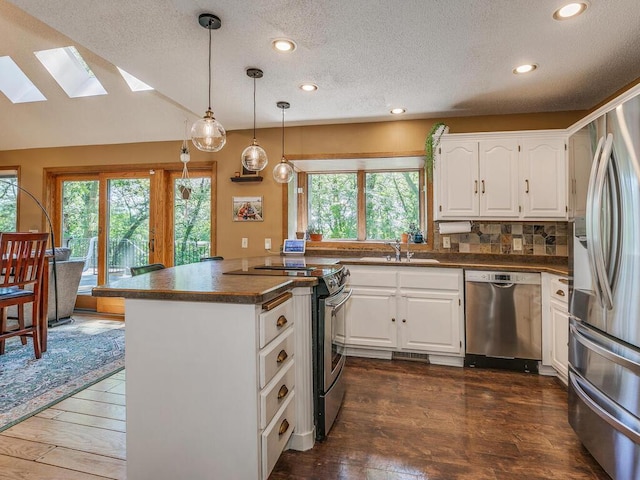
[343,139]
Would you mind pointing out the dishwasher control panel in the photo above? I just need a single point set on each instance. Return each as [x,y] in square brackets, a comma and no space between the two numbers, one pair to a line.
[502,277]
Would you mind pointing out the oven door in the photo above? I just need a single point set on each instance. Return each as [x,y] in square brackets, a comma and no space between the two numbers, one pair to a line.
[334,335]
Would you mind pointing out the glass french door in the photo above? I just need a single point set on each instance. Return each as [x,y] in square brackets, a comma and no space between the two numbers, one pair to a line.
[191,218]
[117,220]
[104,219]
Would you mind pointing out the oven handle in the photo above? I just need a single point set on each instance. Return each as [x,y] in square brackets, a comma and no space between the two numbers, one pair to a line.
[345,297]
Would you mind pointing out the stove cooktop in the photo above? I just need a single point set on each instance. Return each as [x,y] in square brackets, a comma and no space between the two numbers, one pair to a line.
[288,270]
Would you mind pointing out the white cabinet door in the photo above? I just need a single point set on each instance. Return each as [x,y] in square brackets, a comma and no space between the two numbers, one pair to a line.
[458,190]
[430,322]
[371,318]
[560,340]
[499,178]
[543,178]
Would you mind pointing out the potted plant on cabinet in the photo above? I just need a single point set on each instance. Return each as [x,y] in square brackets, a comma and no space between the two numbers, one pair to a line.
[430,145]
[315,233]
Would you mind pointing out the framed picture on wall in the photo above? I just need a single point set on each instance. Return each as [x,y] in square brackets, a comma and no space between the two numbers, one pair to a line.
[247,209]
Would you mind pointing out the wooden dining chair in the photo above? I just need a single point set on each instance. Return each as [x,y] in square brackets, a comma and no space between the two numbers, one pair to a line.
[146,269]
[22,257]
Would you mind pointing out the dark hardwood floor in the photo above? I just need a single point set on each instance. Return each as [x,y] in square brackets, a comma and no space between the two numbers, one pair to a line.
[406,420]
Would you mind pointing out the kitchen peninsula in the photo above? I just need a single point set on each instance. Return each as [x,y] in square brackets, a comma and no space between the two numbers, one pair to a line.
[219,370]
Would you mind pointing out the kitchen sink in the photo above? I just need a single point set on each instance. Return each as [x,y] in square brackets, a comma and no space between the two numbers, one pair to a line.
[394,262]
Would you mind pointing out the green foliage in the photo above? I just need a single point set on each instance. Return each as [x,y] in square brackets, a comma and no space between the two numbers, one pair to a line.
[430,145]
[392,202]
[333,204]
[8,204]
[314,229]
[192,221]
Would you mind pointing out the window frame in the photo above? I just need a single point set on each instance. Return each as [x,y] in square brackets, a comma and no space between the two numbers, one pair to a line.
[425,200]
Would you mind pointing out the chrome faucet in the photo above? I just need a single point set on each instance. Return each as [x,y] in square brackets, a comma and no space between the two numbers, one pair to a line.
[396,246]
[409,254]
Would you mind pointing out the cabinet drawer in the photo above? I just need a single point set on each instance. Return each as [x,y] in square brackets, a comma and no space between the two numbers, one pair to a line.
[276,393]
[431,279]
[275,356]
[372,276]
[276,435]
[275,321]
[559,290]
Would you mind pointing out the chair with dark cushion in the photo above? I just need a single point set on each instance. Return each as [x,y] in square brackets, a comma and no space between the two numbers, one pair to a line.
[211,259]
[22,257]
[146,269]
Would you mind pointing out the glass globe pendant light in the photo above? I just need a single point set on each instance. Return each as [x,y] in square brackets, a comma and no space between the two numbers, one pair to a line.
[254,157]
[207,134]
[283,171]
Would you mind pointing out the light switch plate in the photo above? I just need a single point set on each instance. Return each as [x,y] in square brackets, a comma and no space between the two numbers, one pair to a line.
[446,242]
[245,242]
[267,244]
[517,244]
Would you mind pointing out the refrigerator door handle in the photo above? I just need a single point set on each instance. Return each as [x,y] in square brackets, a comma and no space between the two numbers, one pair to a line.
[578,388]
[594,341]
[589,219]
[598,249]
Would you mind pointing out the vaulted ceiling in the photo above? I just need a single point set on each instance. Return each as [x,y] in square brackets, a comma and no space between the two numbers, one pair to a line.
[435,58]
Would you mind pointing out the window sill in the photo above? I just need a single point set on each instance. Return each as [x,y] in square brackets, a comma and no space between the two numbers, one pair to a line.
[363,246]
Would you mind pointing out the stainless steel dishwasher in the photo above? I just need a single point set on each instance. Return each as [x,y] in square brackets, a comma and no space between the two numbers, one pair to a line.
[503,317]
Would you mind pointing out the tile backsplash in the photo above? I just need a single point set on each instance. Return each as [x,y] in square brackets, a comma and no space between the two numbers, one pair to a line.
[536,238]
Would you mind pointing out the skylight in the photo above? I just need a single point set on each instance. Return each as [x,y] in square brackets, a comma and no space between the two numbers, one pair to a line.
[16,85]
[72,73]
[134,84]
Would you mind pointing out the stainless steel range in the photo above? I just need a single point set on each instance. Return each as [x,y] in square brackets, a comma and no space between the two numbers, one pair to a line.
[328,332]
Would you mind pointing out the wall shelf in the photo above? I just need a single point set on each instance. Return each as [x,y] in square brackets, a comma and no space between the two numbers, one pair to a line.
[257,178]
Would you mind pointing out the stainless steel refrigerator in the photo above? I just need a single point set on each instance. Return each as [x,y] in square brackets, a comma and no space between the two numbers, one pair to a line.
[604,330]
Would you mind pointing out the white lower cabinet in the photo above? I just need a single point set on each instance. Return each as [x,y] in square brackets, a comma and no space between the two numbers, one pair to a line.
[406,309]
[555,325]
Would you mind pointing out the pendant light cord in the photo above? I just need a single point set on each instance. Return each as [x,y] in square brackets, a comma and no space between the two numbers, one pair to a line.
[254,108]
[210,21]
[283,133]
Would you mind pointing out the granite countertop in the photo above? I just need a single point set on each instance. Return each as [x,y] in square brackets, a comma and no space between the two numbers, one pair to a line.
[206,281]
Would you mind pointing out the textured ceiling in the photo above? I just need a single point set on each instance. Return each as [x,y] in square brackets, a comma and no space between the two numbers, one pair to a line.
[433,57]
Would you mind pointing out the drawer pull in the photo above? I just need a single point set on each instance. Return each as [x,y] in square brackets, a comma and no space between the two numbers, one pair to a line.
[393,319]
[282,356]
[282,321]
[560,293]
[284,426]
[282,392]
[563,280]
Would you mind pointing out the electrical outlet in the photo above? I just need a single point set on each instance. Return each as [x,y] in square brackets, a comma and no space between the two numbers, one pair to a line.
[446,242]
[267,244]
[517,244]
[245,242]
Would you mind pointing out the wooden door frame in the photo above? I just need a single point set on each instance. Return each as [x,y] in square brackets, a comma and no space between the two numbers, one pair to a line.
[160,206]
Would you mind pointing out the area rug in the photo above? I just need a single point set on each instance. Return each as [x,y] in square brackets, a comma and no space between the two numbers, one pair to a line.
[78,355]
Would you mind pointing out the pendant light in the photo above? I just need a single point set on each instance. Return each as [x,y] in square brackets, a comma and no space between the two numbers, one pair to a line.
[207,134]
[283,171]
[254,158]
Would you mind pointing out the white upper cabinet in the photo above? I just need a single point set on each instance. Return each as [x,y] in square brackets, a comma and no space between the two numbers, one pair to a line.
[458,164]
[501,176]
[543,176]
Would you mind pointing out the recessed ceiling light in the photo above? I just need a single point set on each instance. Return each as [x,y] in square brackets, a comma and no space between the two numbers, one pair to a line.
[283,45]
[398,111]
[529,67]
[309,87]
[570,10]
